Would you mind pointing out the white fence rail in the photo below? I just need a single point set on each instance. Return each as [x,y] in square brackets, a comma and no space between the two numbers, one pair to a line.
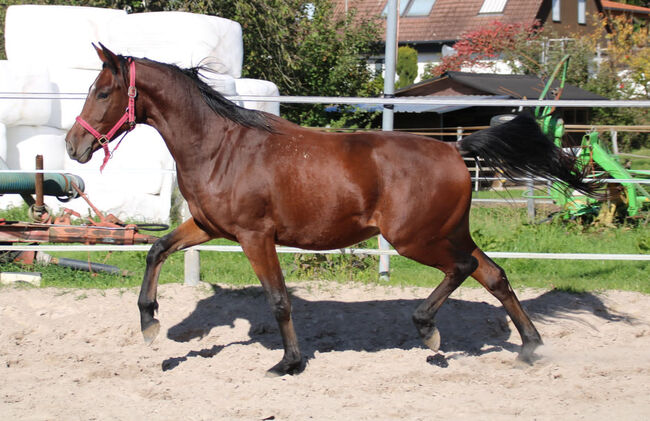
[421,100]
[350,251]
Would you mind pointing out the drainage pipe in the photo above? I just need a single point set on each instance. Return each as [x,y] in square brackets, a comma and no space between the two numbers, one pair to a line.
[54,184]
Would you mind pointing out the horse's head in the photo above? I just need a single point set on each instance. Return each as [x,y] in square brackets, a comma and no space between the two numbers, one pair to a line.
[103,117]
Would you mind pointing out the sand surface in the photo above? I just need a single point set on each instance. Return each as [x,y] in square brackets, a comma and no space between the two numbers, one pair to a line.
[78,355]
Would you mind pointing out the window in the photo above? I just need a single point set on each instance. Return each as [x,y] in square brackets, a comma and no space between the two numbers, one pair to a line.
[556,10]
[582,12]
[493,6]
[412,8]
[420,7]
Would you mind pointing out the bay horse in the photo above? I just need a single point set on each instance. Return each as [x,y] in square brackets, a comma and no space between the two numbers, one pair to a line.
[260,180]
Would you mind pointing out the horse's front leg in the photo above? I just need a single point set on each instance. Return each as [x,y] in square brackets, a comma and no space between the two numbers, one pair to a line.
[260,250]
[186,235]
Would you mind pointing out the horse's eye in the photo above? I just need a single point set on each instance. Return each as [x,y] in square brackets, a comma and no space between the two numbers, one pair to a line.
[102,95]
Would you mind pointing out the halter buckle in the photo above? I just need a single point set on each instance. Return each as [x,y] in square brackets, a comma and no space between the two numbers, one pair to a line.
[132,92]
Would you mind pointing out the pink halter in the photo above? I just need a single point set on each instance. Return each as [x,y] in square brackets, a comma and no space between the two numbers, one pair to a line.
[129,115]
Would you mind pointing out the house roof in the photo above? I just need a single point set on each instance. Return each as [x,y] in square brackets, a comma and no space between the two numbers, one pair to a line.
[448,19]
[512,86]
[620,7]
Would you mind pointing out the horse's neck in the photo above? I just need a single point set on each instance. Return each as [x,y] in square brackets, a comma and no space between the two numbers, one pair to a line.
[183,120]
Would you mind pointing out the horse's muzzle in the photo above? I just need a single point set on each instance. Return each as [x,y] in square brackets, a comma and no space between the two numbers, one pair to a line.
[81,152]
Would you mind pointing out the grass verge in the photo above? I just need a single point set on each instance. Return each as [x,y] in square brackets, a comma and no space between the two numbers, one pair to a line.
[502,228]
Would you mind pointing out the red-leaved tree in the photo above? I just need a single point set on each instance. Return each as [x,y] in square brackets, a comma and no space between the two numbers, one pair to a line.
[487,43]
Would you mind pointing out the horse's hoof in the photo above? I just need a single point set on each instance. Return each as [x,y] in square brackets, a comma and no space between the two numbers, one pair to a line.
[151,331]
[283,368]
[527,354]
[432,339]
[272,372]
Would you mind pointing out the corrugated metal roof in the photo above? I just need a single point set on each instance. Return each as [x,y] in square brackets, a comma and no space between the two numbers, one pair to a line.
[512,86]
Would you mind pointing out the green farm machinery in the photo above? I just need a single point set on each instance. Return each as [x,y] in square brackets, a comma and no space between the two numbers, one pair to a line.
[625,196]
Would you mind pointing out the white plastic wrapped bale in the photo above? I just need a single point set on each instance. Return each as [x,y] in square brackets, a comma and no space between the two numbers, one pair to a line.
[3,142]
[180,38]
[133,185]
[25,142]
[224,84]
[259,88]
[64,80]
[57,34]
[24,78]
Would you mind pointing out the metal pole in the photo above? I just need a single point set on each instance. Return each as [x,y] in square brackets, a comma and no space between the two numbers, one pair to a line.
[192,267]
[387,120]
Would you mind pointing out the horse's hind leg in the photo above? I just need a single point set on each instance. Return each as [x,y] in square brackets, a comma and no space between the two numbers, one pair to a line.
[494,279]
[457,265]
[260,250]
[186,235]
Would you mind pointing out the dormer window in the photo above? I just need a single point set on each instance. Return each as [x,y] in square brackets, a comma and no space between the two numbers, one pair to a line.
[413,8]
[492,6]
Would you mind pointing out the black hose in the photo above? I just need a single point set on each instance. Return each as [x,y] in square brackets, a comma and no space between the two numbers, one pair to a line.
[88,266]
[153,227]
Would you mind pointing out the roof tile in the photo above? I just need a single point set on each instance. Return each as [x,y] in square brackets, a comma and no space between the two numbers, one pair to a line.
[449,19]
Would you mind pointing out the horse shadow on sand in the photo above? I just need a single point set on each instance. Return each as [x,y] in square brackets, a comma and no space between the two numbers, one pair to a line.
[466,327]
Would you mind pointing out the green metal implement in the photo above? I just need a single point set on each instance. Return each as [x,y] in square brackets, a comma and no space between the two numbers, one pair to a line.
[592,153]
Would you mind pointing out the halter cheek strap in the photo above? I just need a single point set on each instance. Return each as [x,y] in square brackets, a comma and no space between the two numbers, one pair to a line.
[128,116]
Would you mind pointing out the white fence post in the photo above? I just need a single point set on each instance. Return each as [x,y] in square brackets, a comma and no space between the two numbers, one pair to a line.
[531,200]
[192,267]
[614,135]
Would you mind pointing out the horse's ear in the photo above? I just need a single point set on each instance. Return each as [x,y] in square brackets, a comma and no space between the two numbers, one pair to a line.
[107,57]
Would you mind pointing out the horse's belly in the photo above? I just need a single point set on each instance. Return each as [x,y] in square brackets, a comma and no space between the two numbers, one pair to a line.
[324,235]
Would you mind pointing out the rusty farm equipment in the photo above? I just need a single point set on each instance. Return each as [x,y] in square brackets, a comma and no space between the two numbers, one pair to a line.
[46,228]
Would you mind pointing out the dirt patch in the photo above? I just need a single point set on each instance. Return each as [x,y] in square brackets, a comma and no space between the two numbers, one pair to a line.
[78,354]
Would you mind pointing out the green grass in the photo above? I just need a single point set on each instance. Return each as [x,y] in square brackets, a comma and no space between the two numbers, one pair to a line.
[507,229]
[637,162]
[502,228]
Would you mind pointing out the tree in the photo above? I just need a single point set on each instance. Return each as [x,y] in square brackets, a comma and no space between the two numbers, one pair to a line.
[406,67]
[299,45]
[628,51]
[625,74]
[487,43]
[306,51]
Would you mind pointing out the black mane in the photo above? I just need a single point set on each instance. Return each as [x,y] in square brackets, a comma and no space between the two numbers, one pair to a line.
[215,100]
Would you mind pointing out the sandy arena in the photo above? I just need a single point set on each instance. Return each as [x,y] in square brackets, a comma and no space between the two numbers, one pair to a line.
[78,355]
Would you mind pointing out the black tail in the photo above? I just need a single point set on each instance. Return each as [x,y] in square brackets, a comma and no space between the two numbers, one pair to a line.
[519,148]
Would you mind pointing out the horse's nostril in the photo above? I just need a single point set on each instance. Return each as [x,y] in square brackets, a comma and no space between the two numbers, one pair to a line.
[69,148]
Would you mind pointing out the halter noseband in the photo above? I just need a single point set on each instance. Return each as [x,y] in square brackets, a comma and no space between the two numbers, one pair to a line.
[129,116]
